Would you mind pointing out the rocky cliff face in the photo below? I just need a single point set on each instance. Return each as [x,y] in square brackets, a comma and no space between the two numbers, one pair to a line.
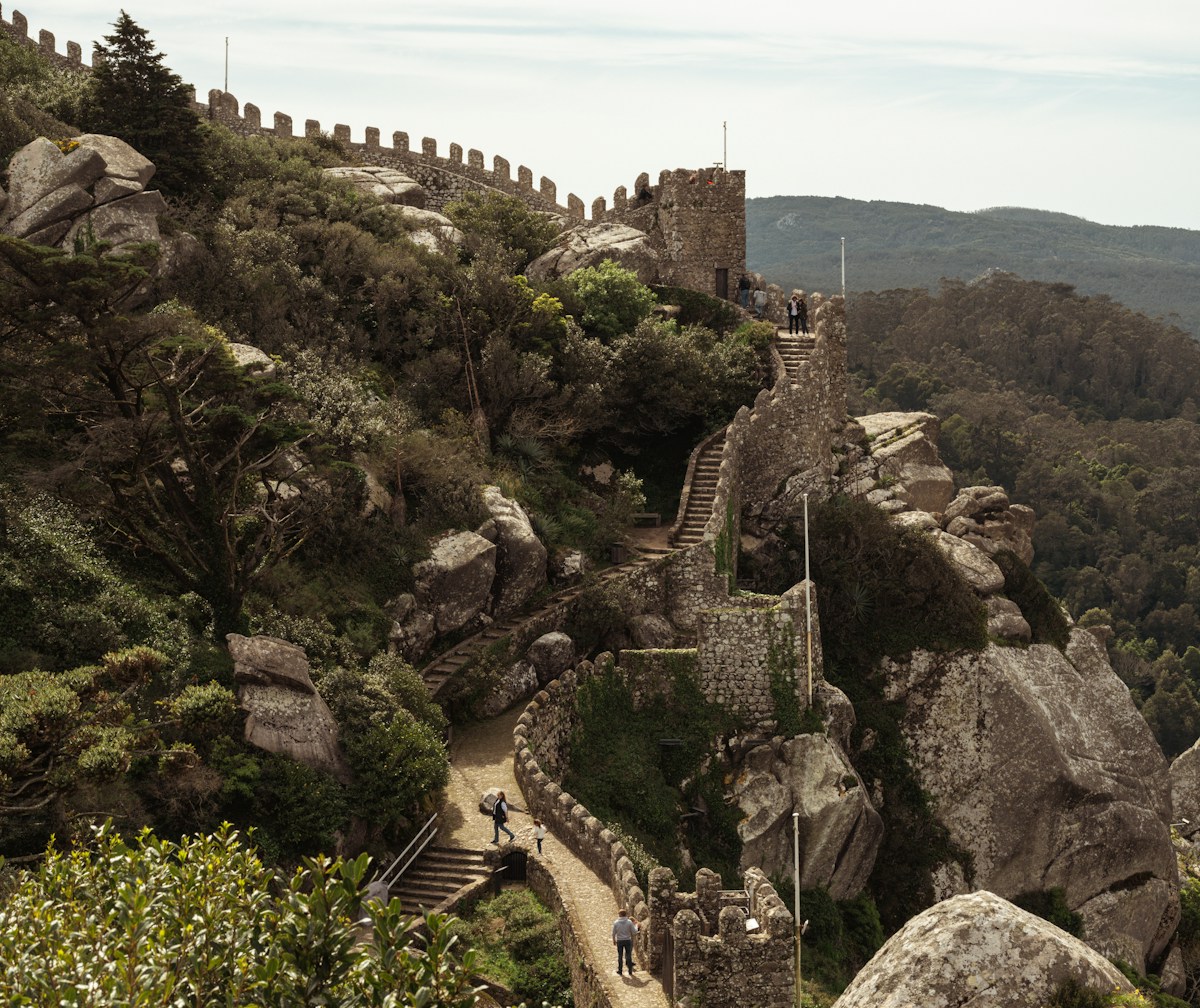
[1040,766]
[981,951]
[1043,770]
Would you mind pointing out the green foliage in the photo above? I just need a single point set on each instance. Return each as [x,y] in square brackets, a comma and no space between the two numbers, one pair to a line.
[600,612]
[134,96]
[628,778]
[781,664]
[61,732]
[517,944]
[1043,612]
[1051,905]
[612,301]
[505,221]
[94,607]
[842,935]
[204,922]
[396,755]
[699,308]
[883,592]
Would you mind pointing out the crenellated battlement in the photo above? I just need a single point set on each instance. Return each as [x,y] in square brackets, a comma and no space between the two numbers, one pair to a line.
[695,218]
[18,31]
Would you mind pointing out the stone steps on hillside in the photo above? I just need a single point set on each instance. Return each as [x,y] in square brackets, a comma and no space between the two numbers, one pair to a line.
[439,873]
[702,494]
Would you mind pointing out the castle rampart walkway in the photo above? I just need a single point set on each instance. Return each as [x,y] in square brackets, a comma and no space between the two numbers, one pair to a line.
[481,757]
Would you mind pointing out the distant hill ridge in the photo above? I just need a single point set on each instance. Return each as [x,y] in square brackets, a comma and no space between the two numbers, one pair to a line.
[796,241]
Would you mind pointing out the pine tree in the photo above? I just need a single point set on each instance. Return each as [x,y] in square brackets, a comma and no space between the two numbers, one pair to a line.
[136,97]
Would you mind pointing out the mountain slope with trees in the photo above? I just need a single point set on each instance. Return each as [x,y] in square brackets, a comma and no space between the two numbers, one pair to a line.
[1085,411]
[796,241]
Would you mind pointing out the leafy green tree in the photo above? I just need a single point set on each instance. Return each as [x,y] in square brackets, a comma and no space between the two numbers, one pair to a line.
[204,922]
[135,96]
[611,299]
[60,731]
[391,734]
[505,221]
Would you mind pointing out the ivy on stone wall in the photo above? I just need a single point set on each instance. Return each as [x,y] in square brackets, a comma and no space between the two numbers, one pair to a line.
[781,664]
[725,549]
[630,758]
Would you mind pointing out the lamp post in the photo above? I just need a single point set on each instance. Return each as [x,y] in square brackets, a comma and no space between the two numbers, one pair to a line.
[843,269]
[807,606]
[796,889]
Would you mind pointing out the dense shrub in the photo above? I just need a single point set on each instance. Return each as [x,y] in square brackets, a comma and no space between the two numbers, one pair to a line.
[204,922]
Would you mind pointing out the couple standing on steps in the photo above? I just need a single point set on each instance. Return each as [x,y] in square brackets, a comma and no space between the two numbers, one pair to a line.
[797,313]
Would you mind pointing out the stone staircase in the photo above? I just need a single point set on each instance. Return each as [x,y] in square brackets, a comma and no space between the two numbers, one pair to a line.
[701,493]
[794,348]
[437,875]
[445,666]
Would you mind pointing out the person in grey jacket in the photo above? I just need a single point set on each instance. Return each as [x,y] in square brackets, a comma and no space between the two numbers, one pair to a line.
[624,930]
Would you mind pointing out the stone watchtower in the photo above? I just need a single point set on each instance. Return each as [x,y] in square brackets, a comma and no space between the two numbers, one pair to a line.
[696,221]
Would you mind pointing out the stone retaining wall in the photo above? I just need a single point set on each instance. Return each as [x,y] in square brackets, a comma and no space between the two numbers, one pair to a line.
[543,728]
[702,936]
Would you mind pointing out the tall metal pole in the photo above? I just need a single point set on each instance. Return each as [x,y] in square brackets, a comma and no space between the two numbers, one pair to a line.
[725,145]
[227,64]
[807,604]
[843,269]
[796,889]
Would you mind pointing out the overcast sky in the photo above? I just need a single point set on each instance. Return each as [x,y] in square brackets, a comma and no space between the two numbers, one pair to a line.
[1089,108]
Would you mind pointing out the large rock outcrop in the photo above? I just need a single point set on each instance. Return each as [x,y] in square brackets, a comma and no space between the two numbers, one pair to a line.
[589,245]
[387,184]
[95,192]
[520,555]
[840,830]
[1185,791]
[903,453]
[981,951]
[284,712]
[1044,771]
[455,583]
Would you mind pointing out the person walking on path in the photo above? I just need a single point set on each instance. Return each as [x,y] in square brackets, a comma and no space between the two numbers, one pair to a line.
[744,290]
[624,930]
[760,303]
[499,818]
[539,833]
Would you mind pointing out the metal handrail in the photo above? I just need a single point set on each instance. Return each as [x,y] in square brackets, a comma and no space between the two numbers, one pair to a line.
[387,878]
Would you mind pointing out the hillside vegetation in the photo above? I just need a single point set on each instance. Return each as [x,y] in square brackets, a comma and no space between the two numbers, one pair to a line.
[1084,410]
[156,495]
[796,241]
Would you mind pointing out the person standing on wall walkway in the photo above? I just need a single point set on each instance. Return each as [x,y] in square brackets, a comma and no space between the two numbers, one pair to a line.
[760,303]
[744,290]
[624,930]
[795,307]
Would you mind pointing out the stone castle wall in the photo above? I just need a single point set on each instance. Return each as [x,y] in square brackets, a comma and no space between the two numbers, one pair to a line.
[702,936]
[695,218]
[793,425]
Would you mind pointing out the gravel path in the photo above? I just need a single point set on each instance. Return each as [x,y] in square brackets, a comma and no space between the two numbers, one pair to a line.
[481,756]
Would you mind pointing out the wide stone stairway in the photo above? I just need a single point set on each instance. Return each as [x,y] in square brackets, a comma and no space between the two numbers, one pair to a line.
[437,875]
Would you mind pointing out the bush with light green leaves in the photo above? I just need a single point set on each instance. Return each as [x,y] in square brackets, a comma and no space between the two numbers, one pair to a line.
[203,922]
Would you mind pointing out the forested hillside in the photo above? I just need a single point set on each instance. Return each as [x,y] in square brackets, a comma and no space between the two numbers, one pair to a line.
[796,241]
[156,493]
[1086,411]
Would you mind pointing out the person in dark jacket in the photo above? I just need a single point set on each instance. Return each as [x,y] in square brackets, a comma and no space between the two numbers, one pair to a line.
[499,818]
[744,291]
[797,313]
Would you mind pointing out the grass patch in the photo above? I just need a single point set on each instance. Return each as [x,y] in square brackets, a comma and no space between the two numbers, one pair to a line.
[518,946]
